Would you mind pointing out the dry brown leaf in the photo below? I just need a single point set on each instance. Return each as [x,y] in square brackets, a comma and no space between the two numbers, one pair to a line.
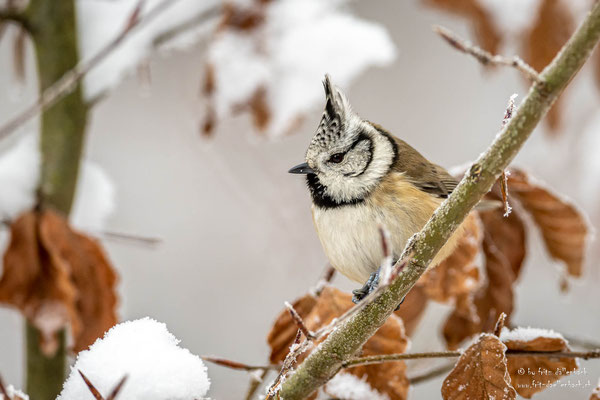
[259,108]
[562,225]
[457,275]
[484,31]
[283,331]
[529,374]
[57,276]
[388,378]
[243,18]
[550,31]
[480,373]
[595,394]
[504,250]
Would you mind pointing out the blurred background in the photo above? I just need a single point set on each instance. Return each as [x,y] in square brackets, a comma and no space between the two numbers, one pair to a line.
[235,229]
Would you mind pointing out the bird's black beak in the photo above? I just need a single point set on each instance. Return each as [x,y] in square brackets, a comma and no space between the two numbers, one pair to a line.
[302,169]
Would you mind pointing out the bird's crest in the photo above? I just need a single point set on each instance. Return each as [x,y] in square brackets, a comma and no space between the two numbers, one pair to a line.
[337,110]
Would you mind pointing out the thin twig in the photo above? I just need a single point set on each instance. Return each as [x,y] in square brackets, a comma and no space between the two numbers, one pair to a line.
[499,324]
[129,237]
[485,57]
[434,373]
[510,109]
[255,382]
[325,279]
[115,392]
[91,386]
[378,359]
[394,357]
[3,389]
[202,17]
[223,362]
[296,349]
[68,82]
[299,322]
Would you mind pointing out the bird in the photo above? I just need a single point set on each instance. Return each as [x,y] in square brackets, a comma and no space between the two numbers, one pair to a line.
[361,178]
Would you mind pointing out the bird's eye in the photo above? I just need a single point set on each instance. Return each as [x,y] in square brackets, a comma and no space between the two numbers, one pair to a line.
[337,158]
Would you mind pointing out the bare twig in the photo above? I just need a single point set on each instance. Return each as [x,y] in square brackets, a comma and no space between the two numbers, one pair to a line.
[133,238]
[202,17]
[434,373]
[3,389]
[325,279]
[378,359]
[255,382]
[91,386]
[299,322]
[223,362]
[499,324]
[485,57]
[68,82]
[117,389]
[510,109]
[394,357]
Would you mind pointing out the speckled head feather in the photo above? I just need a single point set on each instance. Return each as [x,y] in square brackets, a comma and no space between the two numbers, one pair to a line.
[348,154]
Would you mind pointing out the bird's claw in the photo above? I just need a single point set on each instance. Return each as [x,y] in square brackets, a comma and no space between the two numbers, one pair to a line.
[369,287]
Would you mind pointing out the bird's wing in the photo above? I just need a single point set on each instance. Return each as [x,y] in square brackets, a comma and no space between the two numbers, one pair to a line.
[422,173]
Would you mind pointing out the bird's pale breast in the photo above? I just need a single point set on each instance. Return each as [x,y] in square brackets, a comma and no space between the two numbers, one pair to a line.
[350,234]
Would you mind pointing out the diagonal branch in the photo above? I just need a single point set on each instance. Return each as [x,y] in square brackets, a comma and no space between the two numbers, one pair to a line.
[348,338]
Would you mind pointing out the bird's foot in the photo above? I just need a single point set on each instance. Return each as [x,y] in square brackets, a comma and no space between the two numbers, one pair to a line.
[401,301]
[368,288]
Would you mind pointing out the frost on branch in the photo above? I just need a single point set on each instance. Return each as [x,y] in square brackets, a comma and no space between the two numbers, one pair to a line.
[480,373]
[540,372]
[386,379]
[144,351]
[269,58]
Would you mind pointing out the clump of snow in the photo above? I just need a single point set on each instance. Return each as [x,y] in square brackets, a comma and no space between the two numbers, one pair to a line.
[94,199]
[349,387]
[14,394]
[145,351]
[101,21]
[522,334]
[512,17]
[19,175]
[290,53]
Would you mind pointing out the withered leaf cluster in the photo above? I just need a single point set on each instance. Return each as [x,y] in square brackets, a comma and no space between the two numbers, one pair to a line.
[485,372]
[58,277]
[501,242]
[549,31]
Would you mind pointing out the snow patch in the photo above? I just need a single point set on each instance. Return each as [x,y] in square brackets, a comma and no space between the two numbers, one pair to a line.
[288,57]
[145,351]
[349,387]
[522,334]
